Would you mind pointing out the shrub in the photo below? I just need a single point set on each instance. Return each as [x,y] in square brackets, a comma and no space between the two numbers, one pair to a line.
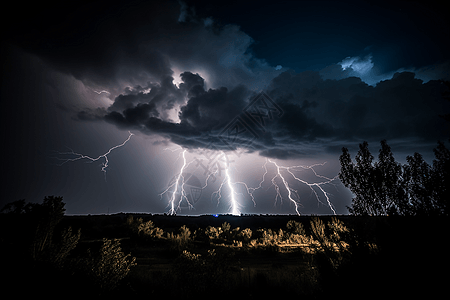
[181,240]
[331,241]
[295,227]
[184,235]
[246,235]
[226,227]
[48,215]
[144,229]
[61,250]
[213,233]
[110,265]
[148,229]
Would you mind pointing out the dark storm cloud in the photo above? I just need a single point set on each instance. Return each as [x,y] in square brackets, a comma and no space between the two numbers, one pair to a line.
[205,112]
[350,110]
[213,108]
[96,42]
[90,115]
[163,94]
[193,84]
[136,53]
[115,44]
[318,115]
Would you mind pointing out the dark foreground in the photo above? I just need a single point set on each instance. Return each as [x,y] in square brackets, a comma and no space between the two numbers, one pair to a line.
[227,256]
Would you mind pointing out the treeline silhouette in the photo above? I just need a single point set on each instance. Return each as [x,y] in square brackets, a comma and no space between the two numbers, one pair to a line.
[308,256]
[387,187]
[40,251]
[51,258]
[394,238]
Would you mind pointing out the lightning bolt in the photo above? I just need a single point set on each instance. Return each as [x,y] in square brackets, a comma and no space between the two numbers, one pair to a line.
[233,203]
[178,185]
[283,179]
[79,156]
[227,181]
[318,184]
[286,185]
[292,191]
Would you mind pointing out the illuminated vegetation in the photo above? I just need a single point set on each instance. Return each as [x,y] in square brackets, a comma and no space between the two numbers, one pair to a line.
[186,257]
[33,236]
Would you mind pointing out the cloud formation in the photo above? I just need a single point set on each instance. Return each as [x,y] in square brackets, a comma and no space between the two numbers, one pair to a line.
[317,113]
[173,74]
[109,46]
[364,67]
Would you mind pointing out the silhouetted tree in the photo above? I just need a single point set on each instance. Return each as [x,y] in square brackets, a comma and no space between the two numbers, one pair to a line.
[419,187]
[18,207]
[441,178]
[388,188]
[48,215]
[360,179]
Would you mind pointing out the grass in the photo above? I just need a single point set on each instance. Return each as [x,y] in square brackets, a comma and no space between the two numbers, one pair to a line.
[304,258]
[225,261]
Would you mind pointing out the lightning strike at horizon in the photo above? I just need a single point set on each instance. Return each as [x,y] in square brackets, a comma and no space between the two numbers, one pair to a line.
[82,156]
[318,185]
[286,185]
[227,180]
[234,205]
[291,190]
[279,180]
[178,184]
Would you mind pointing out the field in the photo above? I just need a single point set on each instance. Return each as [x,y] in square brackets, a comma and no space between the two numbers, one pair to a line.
[244,257]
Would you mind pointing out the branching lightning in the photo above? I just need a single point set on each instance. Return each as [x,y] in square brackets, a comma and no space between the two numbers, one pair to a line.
[292,191]
[79,156]
[178,187]
[286,185]
[232,193]
[283,180]
[234,204]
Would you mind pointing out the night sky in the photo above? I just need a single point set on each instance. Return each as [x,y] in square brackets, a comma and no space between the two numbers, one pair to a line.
[180,76]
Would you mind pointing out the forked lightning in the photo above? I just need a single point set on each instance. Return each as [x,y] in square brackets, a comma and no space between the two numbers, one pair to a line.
[79,156]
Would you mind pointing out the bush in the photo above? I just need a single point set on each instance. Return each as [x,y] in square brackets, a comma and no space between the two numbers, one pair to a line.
[245,235]
[46,215]
[184,235]
[213,233]
[181,240]
[110,265]
[144,229]
[331,241]
[61,250]
[295,227]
